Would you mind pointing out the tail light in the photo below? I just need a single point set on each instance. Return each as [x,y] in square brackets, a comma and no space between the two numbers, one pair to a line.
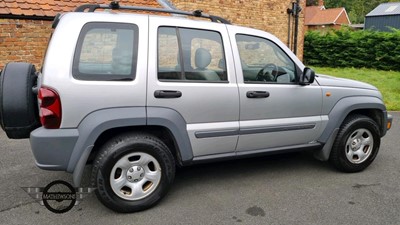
[50,108]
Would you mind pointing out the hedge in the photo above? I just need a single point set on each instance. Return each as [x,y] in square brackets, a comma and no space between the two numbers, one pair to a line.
[347,48]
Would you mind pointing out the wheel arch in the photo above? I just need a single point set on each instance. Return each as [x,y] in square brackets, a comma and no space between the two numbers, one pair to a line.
[161,132]
[100,125]
[372,107]
[375,114]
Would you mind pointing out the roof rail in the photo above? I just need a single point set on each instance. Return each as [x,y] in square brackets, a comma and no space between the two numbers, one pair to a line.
[115,5]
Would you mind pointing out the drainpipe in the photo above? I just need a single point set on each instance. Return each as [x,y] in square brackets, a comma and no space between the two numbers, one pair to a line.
[296,10]
[289,12]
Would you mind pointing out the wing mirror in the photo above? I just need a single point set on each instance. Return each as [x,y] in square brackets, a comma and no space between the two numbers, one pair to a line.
[307,77]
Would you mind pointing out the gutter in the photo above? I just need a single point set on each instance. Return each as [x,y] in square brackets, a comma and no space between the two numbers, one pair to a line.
[24,17]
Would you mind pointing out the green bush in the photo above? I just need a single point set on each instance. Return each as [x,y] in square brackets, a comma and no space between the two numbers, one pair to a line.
[347,48]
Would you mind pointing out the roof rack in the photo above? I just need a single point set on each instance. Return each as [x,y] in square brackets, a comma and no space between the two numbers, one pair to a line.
[115,5]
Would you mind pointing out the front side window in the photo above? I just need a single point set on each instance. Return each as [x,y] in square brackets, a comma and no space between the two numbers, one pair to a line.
[106,51]
[263,61]
[190,55]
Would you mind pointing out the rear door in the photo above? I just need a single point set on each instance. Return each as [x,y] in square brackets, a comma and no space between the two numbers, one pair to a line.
[191,71]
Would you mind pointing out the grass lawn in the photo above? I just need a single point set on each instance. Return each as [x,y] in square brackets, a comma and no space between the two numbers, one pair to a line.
[388,82]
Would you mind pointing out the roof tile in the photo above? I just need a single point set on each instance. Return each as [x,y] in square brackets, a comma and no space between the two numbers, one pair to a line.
[56,8]
[24,6]
[38,12]
[4,10]
[48,13]
[16,11]
[12,5]
[46,7]
[35,6]
[28,12]
[52,7]
[315,15]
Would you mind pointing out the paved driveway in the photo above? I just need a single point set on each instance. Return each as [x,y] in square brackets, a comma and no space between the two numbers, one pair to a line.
[284,189]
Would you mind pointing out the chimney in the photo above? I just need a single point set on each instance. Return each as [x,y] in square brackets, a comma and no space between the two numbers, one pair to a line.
[321,3]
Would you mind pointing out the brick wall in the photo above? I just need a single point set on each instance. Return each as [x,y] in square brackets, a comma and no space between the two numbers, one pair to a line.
[23,40]
[342,19]
[26,40]
[267,15]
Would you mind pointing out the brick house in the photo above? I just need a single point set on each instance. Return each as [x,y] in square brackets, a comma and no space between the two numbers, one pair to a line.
[321,18]
[26,24]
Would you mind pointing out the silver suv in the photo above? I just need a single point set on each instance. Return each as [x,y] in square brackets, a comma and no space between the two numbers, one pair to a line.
[137,95]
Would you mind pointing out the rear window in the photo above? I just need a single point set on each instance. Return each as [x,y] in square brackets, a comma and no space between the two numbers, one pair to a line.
[106,52]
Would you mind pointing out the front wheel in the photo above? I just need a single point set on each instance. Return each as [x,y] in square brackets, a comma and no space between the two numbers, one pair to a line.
[132,172]
[356,144]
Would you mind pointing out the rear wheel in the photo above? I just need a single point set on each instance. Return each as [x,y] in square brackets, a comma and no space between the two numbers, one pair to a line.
[356,145]
[132,172]
[19,113]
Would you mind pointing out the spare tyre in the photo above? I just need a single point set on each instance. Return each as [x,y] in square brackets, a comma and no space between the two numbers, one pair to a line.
[19,113]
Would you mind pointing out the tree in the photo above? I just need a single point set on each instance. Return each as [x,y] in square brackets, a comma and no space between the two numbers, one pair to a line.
[357,9]
[311,2]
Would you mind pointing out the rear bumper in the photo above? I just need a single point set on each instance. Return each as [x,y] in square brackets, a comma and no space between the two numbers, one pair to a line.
[52,148]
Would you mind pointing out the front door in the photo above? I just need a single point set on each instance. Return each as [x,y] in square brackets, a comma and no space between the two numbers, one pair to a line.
[275,110]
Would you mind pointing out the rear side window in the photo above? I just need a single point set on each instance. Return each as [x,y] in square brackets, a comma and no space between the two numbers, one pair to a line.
[106,52]
[192,55]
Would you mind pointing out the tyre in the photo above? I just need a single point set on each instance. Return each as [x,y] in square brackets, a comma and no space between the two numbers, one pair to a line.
[356,144]
[19,114]
[132,172]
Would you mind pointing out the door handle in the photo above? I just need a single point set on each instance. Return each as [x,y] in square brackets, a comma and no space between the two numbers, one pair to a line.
[257,94]
[167,94]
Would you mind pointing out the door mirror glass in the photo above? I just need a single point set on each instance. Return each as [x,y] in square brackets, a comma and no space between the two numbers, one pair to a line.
[307,77]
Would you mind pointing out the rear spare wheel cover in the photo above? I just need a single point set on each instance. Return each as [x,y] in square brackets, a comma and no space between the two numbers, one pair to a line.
[18,104]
